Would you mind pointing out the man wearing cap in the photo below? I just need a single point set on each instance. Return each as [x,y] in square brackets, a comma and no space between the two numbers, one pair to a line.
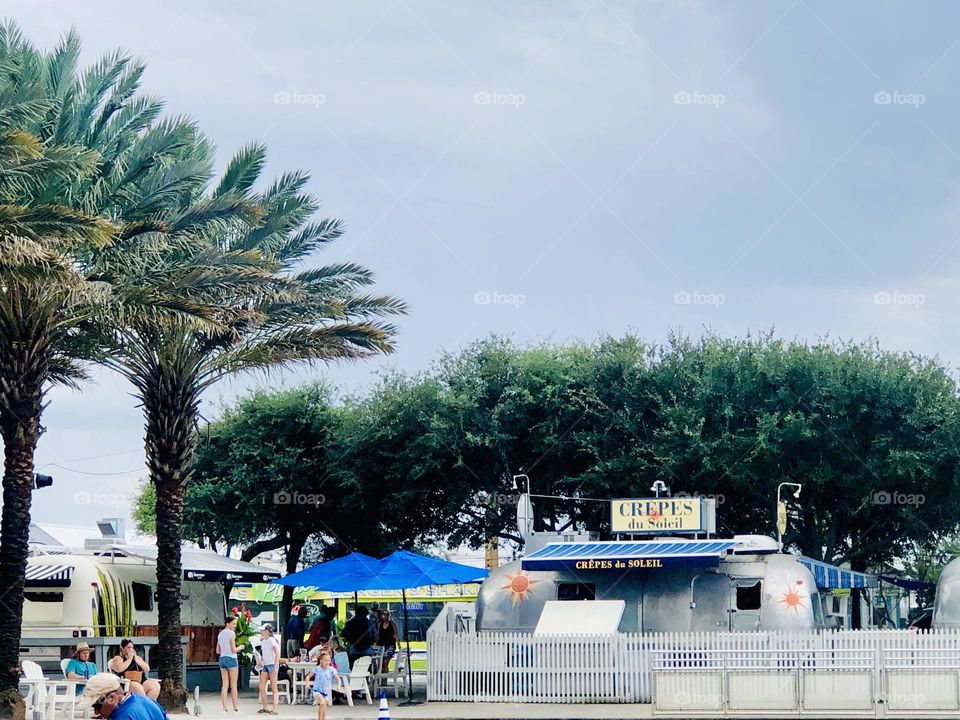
[80,667]
[108,699]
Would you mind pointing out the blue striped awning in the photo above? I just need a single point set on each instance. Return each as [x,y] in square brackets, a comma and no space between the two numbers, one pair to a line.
[634,555]
[831,577]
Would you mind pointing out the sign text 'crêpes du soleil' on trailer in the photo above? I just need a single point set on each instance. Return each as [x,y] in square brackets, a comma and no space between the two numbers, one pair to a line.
[657,515]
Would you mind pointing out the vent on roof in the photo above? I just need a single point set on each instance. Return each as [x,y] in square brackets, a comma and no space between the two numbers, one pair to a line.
[112,531]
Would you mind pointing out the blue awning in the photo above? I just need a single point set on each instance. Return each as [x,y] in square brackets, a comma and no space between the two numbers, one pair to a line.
[831,577]
[908,584]
[634,555]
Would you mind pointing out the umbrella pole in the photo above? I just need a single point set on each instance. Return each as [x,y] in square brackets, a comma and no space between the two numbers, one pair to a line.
[406,634]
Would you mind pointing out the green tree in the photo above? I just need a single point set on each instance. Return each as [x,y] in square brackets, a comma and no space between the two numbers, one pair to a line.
[262,311]
[74,146]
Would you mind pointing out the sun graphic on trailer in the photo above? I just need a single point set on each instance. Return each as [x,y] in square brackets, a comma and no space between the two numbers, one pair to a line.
[793,597]
[519,585]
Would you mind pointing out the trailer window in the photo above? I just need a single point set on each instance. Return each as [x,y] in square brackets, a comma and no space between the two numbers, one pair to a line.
[576,591]
[748,596]
[42,606]
[142,596]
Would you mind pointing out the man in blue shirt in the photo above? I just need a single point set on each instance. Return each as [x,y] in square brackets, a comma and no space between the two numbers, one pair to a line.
[296,629]
[109,701]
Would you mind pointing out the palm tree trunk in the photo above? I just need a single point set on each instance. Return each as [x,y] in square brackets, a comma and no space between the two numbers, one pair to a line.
[20,429]
[171,414]
[294,550]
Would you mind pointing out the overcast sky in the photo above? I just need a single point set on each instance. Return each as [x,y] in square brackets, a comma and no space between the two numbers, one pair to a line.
[558,170]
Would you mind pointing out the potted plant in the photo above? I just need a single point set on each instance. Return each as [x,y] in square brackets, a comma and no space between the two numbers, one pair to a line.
[245,633]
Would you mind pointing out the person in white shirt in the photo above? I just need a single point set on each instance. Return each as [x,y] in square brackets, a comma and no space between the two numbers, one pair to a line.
[227,650]
[270,656]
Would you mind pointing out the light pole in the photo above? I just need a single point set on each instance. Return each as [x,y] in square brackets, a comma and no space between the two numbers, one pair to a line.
[517,485]
[781,528]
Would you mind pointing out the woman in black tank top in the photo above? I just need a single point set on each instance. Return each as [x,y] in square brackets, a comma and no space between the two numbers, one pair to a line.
[386,637]
[129,661]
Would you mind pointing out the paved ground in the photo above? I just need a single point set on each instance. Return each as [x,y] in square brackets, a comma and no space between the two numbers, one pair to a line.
[210,704]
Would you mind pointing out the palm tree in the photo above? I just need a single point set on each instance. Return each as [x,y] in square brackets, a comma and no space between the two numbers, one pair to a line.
[261,311]
[82,164]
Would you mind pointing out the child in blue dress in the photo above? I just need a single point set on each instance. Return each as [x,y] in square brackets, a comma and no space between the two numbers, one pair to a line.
[324,675]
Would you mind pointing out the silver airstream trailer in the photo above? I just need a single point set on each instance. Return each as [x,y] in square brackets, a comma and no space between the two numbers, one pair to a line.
[946,606]
[666,584]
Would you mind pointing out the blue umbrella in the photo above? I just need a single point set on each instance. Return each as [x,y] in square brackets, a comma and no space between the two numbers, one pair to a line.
[403,570]
[343,574]
[338,575]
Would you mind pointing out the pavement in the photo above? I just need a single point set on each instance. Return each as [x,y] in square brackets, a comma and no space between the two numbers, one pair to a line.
[210,708]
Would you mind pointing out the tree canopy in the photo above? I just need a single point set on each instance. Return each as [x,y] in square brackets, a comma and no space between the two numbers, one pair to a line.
[430,457]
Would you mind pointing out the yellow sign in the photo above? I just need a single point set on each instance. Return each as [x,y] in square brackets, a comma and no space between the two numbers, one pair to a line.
[782,518]
[657,515]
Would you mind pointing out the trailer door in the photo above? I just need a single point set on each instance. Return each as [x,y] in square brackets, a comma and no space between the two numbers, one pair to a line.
[745,595]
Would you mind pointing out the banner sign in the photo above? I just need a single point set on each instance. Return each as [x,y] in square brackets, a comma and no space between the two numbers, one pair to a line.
[657,515]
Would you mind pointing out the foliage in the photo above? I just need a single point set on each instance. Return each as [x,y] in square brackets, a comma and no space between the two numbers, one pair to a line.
[115,600]
[430,458]
[245,632]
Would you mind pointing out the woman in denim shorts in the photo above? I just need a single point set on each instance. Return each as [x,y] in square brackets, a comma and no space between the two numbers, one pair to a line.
[227,650]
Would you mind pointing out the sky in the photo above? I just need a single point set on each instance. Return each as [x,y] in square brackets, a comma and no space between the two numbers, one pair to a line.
[564,170]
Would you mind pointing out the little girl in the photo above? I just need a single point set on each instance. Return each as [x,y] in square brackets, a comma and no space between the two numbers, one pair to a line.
[323,678]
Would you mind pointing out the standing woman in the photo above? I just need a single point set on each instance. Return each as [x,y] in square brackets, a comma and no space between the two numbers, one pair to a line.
[270,652]
[227,650]
[386,638]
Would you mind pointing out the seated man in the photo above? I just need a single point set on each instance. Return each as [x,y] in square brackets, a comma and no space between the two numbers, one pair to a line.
[110,702]
[80,667]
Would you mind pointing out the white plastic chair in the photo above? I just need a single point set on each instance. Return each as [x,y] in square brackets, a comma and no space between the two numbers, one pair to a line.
[51,694]
[36,699]
[359,679]
[398,674]
[283,689]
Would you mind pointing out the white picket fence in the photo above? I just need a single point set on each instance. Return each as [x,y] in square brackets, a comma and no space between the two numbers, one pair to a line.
[622,668]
